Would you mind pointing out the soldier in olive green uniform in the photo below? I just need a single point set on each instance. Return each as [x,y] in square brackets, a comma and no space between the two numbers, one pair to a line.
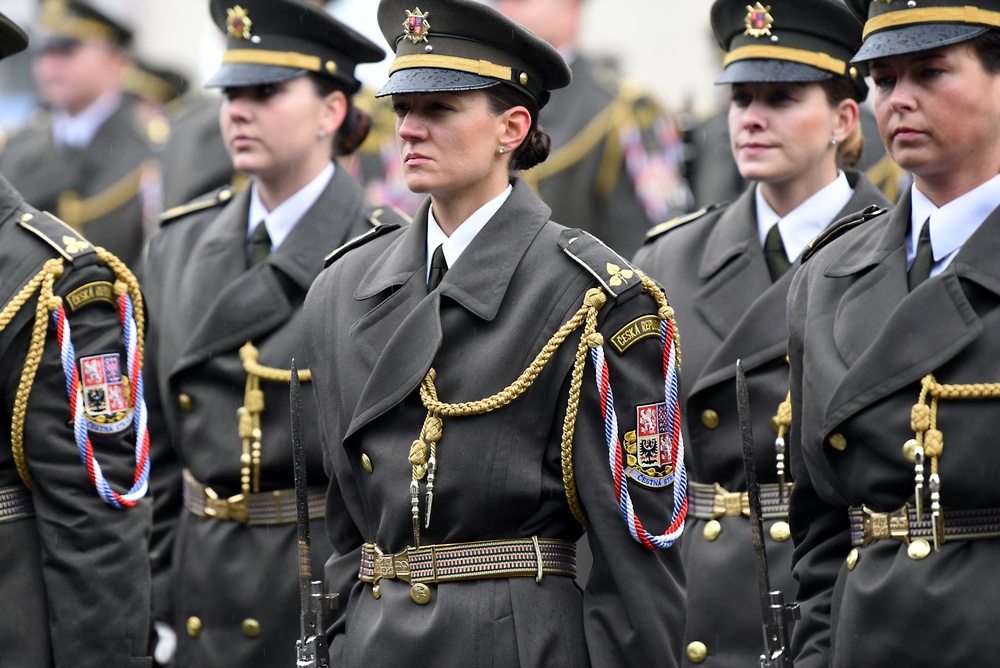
[894,347]
[227,275]
[87,160]
[454,502]
[729,292]
[74,576]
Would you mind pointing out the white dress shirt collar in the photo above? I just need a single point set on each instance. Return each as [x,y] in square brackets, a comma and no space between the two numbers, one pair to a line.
[282,220]
[804,223]
[78,131]
[466,232]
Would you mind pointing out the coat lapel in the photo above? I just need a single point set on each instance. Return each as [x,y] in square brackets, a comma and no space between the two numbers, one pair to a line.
[402,335]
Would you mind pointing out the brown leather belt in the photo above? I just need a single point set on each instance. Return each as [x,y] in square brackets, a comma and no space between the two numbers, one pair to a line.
[710,502]
[276,507]
[15,504]
[432,564]
[903,525]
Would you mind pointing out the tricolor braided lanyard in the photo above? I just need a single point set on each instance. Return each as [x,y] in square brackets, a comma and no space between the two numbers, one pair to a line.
[73,391]
[603,379]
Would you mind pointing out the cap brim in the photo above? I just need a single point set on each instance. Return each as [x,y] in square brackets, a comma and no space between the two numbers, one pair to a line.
[433,79]
[234,75]
[766,70]
[914,38]
[49,42]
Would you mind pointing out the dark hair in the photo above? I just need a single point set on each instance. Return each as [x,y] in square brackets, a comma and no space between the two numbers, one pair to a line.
[535,147]
[987,48]
[837,90]
[357,123]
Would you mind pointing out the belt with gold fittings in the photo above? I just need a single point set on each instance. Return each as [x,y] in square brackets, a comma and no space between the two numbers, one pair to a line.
[452,562]
[710,502]
[275,507]
[903,525]
[15,503]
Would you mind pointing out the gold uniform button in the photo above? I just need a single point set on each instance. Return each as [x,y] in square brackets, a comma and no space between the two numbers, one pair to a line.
[251,628]
[225,195]
[852,559]
[194,627]
[710,418]
[185,402]
[910,450]
[712,530]
[918,549]
[697,652]
[780,532]
[837,442]
[420,593]
[366,463]
[25,217]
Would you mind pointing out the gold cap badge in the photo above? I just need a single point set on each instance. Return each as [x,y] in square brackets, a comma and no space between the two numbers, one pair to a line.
[238,23]
[759,20]
[416,26]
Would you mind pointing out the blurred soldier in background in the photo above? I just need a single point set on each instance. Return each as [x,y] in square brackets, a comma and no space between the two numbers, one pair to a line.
[87,158]
[616,163]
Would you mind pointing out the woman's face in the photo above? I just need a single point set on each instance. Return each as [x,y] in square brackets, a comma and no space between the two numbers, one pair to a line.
[273,129]
[448,141]
[937,114]
[781,132]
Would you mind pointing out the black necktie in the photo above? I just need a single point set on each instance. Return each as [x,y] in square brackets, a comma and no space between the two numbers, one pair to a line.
[439,267]
[260,244]
[920,270]
[774,254]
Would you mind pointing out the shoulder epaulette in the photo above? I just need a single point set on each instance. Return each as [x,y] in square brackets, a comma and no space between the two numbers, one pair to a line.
[841,227]
[64,239]
[674,223]
[360,240]
[615,274]
[388,215]
[216,198]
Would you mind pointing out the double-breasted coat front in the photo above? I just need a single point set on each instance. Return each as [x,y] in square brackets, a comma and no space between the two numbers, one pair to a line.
[727,308]
[860,343]
[230,590]
[373,330]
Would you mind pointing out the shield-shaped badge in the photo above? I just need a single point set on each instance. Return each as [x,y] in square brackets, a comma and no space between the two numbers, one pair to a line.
[648,449]
[106,393]
[758,20]
[416,25]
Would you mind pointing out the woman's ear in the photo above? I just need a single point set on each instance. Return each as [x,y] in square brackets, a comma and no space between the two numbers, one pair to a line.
[333,113]
[847,112]
[516,122]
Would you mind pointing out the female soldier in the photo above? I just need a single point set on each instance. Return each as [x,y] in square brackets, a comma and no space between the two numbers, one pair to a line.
[460,518]
[893,331]
[794,131]
[227,278]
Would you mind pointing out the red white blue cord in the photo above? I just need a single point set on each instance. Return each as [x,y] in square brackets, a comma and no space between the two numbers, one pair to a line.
[635,527]
[140,481]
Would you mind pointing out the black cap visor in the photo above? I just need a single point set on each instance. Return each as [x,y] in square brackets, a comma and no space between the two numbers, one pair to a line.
[769,70]
[914,38]
[236,75]
[433,80]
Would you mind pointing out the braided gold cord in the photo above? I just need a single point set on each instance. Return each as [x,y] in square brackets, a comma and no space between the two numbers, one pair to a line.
[249,354]
[783,419]
[126,283]
[923,418]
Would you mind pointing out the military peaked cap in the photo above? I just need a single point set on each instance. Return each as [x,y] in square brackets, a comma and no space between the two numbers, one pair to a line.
[63,23]
[12,38]
[895,27]
[465,45]
[787,40]
[270,41]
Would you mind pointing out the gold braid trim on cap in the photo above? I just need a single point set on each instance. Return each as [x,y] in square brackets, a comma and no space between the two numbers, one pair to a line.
[483,68]
[125,283]
[249,413]
[815,59]
[906,17]
[298,61]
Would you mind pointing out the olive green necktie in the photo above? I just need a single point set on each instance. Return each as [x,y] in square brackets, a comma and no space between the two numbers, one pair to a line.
[260,245]
[774,254]
[920,270]
[439,267]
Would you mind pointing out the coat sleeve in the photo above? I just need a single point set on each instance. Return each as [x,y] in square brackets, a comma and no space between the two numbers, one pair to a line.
[634,603]
[94,556]
[820,531]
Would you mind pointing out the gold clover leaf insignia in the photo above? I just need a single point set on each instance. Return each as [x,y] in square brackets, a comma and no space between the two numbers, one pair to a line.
[74,246]
[619,275]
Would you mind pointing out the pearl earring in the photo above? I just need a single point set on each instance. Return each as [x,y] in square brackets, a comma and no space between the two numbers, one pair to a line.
[502,150]
[321,134]
[833,142]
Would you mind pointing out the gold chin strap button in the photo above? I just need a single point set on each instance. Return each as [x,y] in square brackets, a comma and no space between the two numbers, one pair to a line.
[710,418]
[185,402]
[194,626]
[421,594]
[918,549]
[837,442]
[712,530]
[852,559]
[366,463]
[697,652]
[780,532]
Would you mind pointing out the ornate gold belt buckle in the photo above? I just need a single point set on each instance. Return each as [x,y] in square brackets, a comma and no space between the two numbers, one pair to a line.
[878,526]
[234,508]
